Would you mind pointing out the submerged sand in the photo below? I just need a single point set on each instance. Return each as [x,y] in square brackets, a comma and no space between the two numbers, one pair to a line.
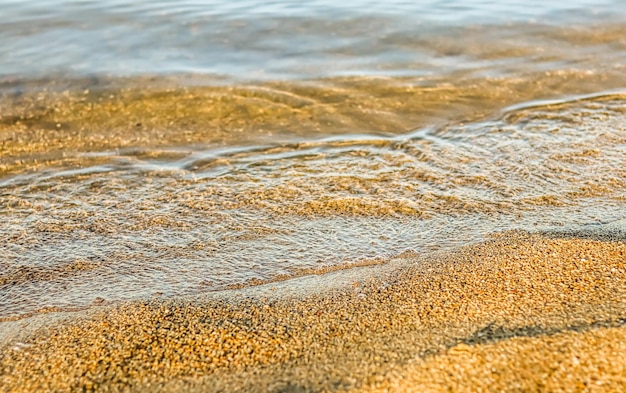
[519,312]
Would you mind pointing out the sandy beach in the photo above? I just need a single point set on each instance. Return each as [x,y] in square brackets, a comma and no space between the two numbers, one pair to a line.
[314,196]
[519,312]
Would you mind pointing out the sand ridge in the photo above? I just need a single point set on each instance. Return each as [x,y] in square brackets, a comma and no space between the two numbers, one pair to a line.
[519,312]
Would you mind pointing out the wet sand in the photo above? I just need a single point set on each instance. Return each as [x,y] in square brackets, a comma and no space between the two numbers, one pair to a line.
[54,123]
[519,312]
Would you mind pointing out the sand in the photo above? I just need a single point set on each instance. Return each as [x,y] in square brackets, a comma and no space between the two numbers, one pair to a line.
[51,123]
[518,312]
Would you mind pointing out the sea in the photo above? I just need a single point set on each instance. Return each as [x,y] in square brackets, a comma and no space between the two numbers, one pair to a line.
[175,148]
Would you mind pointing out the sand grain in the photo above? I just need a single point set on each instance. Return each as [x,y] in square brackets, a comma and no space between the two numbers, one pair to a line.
[519,312]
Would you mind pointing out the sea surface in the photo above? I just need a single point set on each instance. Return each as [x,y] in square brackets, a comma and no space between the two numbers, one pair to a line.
[172,148]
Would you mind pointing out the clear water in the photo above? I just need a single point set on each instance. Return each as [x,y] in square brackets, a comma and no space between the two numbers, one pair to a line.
[173,148]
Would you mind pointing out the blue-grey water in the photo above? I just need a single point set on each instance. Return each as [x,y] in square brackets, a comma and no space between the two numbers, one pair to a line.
[162,148]
[255,40]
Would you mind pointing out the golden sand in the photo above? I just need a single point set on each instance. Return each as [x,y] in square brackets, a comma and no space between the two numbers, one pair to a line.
[518,312]
[48,125]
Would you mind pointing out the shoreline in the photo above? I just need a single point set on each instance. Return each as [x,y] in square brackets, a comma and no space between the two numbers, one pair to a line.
[518,303]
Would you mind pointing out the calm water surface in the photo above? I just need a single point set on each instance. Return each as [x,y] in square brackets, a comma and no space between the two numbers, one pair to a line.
[161,148]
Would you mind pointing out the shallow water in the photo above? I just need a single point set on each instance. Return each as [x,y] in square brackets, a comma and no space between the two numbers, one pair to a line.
[172,149]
